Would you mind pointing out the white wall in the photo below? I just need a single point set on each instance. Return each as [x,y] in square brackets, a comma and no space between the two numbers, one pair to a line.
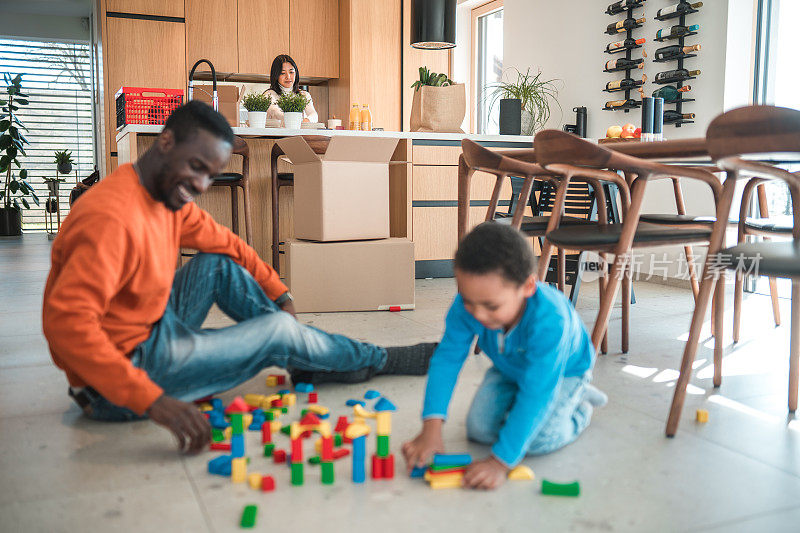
[38,26]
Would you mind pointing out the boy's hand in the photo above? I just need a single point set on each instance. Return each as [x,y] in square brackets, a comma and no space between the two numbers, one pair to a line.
[487,473]
[184,420]
[419,452]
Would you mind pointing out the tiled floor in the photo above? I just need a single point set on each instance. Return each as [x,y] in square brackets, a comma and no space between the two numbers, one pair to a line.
[738,472]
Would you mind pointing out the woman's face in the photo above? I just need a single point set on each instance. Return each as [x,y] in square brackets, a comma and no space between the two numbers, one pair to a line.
[286,78]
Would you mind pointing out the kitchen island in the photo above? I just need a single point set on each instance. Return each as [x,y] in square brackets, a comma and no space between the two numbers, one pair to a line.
[423,187]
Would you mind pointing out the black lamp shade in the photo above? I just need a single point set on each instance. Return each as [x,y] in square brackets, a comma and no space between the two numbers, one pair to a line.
[433,24]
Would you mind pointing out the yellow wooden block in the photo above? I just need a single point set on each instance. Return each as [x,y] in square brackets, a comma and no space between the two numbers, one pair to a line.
[702,415]
[205,407]
[360,412]
[318,409]
[272,381]
[254,400]
[433,476]
[521,472]
[227,432]
[318,446]
[450,481]
[275,425]
[324,429]
[383,423]
[254,480]
[289,399]
[356,429]
[247,419]
[238,469]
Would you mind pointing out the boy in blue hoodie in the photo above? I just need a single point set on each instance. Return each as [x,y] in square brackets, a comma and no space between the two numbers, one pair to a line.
[537,397]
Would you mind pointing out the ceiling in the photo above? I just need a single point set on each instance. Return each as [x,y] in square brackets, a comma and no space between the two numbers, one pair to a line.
[60,8]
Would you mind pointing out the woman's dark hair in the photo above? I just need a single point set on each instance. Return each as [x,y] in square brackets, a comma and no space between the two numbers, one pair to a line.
[495,247]
[275,73]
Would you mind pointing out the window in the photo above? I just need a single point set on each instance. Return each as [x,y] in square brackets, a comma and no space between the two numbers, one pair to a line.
[487,64]
[57,77]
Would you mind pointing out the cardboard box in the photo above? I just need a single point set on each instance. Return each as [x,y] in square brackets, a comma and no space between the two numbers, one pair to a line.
[351,276]
[227,96]
[342,195]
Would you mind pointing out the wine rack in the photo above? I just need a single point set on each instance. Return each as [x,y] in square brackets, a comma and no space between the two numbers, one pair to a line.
[679,19]
[625,52]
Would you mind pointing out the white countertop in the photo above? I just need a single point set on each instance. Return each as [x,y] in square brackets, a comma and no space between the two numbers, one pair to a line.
[284,132]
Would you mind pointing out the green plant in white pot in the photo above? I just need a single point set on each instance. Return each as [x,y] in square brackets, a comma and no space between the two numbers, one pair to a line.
[257,106]
[535,95]
[292,105]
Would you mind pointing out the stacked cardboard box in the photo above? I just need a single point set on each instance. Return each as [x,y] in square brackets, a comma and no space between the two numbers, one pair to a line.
[342,258]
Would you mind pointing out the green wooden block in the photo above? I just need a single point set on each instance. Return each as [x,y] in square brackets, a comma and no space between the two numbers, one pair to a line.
[237,424]
[269,416]
[268,449]
[249,516]
[297,473]
[287,429]
[561,489]
[327,473]
[383,445]
[217,435]
[443,468]
[337,439]
[314,460]
[303,412]
[284,410]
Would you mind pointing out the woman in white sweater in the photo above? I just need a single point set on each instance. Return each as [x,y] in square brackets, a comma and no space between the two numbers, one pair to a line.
[284,77]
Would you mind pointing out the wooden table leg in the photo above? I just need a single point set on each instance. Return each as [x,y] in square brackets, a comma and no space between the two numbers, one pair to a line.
[464,181]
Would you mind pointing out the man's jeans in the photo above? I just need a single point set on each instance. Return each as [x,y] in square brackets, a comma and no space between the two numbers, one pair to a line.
[189,362]
[569,414]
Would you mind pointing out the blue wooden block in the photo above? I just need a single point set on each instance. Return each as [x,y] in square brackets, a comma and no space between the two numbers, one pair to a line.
[418,471]
[359,458]
[220,466]
[372,394]
[237,445]
[452,459]
[284,391]
[216,404]
[217,421]
[303,387]
[351,403]
[256,425]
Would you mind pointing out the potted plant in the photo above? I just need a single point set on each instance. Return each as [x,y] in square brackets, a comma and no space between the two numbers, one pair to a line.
[257,106]
[534,95]
[63,160]
[12,142]
[292,105]
[439,104]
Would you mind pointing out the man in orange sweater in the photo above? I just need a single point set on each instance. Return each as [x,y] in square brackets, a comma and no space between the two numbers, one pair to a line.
[127,328]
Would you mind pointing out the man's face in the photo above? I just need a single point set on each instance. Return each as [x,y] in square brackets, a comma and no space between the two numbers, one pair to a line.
[189,167]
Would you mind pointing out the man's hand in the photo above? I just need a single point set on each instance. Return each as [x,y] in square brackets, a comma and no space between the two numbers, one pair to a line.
[419,452]
[288,306]
[487,473]
[184,420]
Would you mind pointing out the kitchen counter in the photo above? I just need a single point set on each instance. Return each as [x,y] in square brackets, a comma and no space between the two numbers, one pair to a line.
[423,187]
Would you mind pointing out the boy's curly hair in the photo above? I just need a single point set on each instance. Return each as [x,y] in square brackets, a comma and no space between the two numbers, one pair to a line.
[495,247]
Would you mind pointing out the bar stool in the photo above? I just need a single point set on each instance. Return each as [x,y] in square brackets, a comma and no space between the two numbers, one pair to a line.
[319,144]
[235,181]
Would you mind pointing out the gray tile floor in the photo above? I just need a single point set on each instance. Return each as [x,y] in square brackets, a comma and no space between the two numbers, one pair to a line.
[738,472]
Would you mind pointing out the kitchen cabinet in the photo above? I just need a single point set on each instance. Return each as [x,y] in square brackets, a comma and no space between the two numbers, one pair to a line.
[314,37]
[263,34]
[160,8]
[210,33]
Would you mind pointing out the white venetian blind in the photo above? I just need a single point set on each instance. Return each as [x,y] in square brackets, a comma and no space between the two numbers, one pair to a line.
[57,77]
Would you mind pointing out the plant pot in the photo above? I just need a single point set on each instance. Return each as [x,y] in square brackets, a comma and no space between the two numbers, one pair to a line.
[510,116]
[257,119]
[10,221]
[65,167]
[292,120]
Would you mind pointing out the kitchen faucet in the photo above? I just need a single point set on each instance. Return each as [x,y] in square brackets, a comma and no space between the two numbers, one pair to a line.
[214,100]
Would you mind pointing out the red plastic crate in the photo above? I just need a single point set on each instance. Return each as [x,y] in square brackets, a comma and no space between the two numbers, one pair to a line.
[143,105]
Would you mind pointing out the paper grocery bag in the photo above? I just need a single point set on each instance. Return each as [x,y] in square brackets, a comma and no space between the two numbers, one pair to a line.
[439,109]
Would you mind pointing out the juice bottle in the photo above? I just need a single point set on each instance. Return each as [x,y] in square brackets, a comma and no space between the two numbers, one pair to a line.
[366,119]
[355,118]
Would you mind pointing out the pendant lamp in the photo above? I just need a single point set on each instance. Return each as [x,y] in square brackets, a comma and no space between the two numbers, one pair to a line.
[433,24]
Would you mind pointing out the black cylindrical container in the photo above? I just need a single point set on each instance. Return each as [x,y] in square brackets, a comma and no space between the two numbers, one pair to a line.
[647,118]
[433,24]
[510,116]
[658,119]
[580,121]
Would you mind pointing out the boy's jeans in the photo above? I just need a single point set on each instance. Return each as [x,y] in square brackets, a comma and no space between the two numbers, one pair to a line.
[569,414]
[189,362]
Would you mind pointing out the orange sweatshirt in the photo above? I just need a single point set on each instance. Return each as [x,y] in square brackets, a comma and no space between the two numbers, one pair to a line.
[112,269]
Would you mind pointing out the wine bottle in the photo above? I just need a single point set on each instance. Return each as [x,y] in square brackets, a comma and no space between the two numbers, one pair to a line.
[677,74]
[675,51]
[615,104]
[679,8]
[674,116]
[676,31]
[622,63]
[627,83]
[623,25]
[670,93]
[627,43]
[621,5]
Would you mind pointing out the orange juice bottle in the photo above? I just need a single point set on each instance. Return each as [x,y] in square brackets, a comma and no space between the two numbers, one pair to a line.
[366,119]
[355,118]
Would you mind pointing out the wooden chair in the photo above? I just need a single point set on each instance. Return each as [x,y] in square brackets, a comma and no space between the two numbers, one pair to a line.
[319,144]
[235,181]
[747,131]
[561,152]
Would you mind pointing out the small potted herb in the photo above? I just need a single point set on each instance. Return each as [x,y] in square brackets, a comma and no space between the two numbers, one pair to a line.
[63,159]
[292,105]
[257,106]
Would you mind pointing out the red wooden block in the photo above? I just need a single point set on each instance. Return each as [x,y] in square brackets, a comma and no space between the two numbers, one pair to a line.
[377,467]
[345,440]
[281,379]
[306,434]
[327,450]
[312,397]
[238,405]
[310,420]
[267,483]
[266,433]
[277,403]
[220,446]
[341,452]
[279,456]
[297,450]
[341,424]
[394,308]
[388,466]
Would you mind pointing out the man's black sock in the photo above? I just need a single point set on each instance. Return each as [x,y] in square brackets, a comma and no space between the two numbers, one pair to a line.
[408,360]
[356,376]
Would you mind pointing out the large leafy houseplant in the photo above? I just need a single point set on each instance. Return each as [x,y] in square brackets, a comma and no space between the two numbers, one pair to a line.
[12,146]
[534,93]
